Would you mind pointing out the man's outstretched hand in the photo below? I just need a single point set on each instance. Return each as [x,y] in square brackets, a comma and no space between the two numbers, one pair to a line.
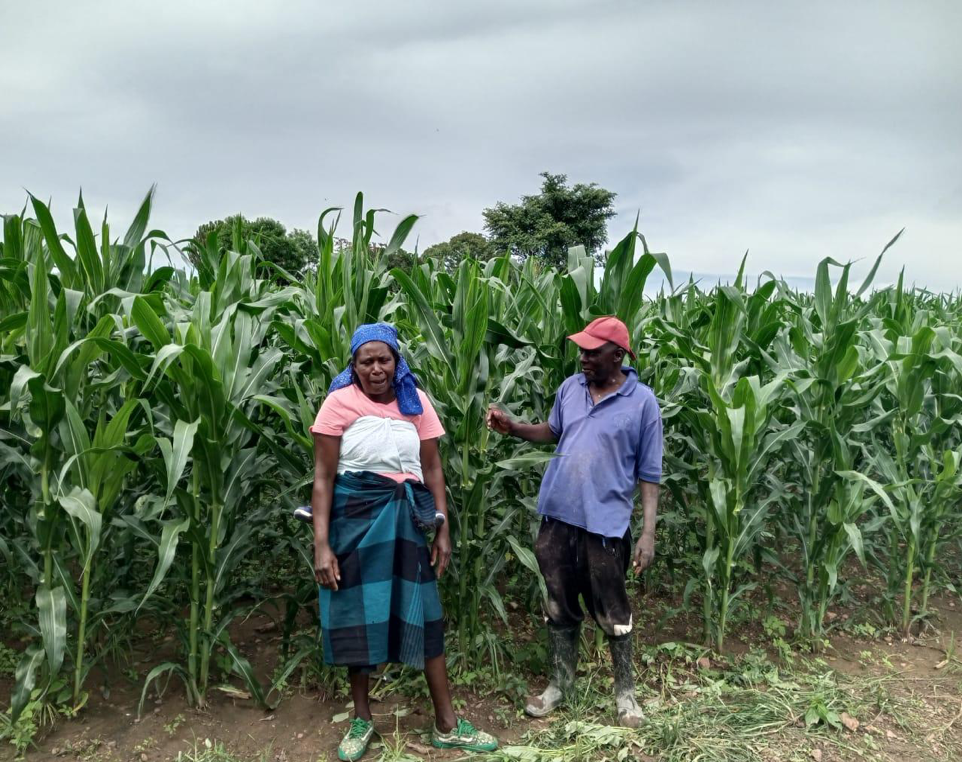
[498,420]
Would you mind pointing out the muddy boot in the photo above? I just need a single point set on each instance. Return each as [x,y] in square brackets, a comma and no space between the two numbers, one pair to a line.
[629,713]
[563,648]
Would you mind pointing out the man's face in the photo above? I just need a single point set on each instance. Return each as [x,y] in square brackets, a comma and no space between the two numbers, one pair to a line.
[602,363]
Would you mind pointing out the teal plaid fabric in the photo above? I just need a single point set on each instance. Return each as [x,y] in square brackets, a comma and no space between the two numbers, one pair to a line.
[386,607]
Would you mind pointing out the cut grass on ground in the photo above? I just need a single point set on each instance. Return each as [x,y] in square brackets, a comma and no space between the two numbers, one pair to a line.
[748,712]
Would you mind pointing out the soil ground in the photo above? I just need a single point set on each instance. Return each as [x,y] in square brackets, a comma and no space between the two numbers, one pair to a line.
[890,698]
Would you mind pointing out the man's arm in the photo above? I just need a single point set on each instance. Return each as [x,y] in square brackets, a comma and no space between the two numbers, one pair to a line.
[503,423]
[645,548]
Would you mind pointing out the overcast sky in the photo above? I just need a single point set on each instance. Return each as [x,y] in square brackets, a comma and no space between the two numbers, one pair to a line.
[794,130]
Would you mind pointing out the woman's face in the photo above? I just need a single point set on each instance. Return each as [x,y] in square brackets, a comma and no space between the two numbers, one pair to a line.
[374,367]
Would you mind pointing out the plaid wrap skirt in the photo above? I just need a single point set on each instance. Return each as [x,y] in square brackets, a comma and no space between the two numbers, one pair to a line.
[386,607]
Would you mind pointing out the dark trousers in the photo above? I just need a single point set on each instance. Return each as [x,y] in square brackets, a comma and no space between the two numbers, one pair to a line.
[575,562]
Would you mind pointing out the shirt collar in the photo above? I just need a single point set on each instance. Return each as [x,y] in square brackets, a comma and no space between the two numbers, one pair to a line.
[627,388]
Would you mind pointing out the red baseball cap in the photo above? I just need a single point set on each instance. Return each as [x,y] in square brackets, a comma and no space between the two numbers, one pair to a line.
[602,330]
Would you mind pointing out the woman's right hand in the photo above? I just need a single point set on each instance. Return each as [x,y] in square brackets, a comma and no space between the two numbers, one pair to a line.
[326,571]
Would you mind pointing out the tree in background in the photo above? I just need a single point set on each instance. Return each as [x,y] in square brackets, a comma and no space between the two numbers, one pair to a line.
[306,246]
[544,226]
[290,251]
[402,259]
[547,224]
[464,245]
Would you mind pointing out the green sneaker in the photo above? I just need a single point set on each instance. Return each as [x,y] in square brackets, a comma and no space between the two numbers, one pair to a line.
[355,742]
[464,736]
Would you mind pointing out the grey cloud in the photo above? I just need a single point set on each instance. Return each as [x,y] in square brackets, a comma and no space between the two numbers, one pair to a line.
[796,131]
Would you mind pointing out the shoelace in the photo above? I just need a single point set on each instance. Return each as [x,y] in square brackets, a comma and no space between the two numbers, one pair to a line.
[358,728]
[465,728]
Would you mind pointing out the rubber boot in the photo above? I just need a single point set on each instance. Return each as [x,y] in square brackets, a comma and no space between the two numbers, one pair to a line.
[629,713]
[563,648]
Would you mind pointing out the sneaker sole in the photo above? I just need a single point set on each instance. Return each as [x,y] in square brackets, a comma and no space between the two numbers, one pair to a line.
[344,758]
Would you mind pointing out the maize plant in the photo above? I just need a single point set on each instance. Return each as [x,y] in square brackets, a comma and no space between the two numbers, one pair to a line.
[457,360]
[736,437]
[833,383]
[68,438]
[209,361]
[915,458]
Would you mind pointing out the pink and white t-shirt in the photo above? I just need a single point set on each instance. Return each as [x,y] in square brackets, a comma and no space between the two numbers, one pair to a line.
[375,436]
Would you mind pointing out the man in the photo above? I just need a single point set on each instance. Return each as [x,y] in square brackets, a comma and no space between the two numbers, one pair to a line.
[608,428]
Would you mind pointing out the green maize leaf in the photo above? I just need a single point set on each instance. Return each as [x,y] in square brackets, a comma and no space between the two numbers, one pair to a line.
[14,322]
[170,669]
[77,442]
[855,537]
[115,431]
[279,406]
[770,445]
[52,607]
[708,561]
[526,460]
[243,668]
[831,569]
[149,324]
[120,352]
[80,504]
[258,375]
[135,233]
[63,262]
[400,234]
[872,485]
[25,680]
[64,576]
[177,454]
[242,467]
[496,601]
[527,559]
[823,290]
[24,375]
[87,254]
[166,550]
[46,408]
[39,329]
[434,337]
[633,293]
[163,359]
[158,278]
[871,275]
[232,554]
[950,466]
[290,665]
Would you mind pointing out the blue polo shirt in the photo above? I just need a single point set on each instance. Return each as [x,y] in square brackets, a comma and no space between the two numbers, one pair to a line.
[604,450]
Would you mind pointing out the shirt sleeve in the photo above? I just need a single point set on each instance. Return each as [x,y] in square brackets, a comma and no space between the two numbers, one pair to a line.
[429,426]
[650,447]
[555,417]
[334,416]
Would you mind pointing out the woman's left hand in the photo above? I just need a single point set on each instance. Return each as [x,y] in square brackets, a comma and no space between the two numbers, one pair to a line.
[441,551]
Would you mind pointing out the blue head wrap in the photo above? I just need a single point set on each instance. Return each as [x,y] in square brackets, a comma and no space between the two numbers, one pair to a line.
[405,383]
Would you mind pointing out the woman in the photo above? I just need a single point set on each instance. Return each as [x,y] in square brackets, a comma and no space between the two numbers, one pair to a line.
[378,485]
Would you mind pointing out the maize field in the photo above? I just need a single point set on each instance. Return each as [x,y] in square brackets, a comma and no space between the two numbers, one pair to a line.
[154,438]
